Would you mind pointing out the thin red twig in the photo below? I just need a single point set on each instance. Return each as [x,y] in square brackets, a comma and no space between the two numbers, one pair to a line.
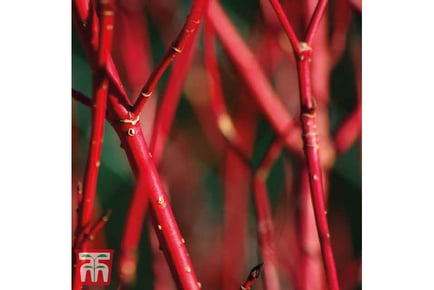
[170,99]
[265,225]
[98,114]
[191,24]
[85,34]
[237,175]
[131,235]
[224,121]
[315,21]
[310,273]
[286,26]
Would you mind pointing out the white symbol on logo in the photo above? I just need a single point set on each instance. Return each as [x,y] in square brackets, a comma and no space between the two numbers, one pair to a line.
[94,266]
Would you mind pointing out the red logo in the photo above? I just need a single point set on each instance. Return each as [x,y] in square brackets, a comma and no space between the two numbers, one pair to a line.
[95,266]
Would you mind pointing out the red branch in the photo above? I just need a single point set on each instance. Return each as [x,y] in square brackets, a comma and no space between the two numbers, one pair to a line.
[131,235]
[133,142]
[236,196]
[98,115]
[86,34]
[224,121]
[311,148]
[286,25]
[255,79]
[100,92]
[265,225]
[171,241]
[311,274]
[170,99]
[190,26]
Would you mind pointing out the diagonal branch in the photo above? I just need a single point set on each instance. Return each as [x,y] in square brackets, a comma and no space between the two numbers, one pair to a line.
[170,99]
[81,98]
[190,26]
[317,16]
[286,25]
[255,79]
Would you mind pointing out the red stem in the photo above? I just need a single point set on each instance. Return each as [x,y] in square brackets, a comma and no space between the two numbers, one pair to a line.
[131,236]
[161,277]
[286,26]
[85,36]
[93,162]
[100,87]
[315,20]
[311,149]
[132,54]
[98,114]
[265,225]
[255,79]
[311,274]
[170,99]
[89,235]
[82,8]
[190,26]
[236,195]
[224,121]
[163,220]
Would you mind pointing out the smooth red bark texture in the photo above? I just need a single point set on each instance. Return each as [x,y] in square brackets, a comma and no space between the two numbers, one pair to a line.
[164,222]
[170,99]
[190,26]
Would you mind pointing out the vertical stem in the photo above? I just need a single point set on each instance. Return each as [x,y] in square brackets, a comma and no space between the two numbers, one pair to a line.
[236,195]
[131,235]
[264,220]
[311,273]
[218,106]
[311,149]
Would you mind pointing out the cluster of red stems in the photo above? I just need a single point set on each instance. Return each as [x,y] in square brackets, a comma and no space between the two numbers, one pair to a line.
[312,58]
